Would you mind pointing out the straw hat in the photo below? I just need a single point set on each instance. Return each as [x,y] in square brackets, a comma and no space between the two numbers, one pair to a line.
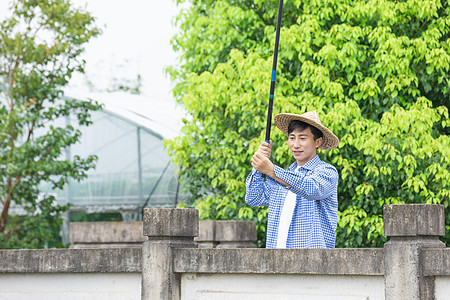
[329,140]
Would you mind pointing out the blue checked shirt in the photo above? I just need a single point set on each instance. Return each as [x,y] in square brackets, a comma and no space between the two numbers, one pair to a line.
[314,219]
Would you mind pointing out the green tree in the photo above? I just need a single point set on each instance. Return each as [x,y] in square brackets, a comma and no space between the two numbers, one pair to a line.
[40,44]
[376,73]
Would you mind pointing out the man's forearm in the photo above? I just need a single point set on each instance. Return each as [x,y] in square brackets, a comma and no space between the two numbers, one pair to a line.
[272,174]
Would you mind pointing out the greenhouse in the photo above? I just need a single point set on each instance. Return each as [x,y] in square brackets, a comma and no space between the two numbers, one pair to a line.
[133,169]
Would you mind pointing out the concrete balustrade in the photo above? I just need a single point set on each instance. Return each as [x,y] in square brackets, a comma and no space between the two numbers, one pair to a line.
[414,264]
[212,234]
[106,235]
[226,234]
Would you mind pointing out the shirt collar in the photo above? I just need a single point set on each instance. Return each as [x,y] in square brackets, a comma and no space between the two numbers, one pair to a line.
[310,164]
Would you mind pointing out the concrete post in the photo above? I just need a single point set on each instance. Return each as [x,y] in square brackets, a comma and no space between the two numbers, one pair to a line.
[166,228]
[411,227]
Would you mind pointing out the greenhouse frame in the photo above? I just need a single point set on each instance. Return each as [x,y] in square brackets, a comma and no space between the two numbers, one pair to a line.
[133,170]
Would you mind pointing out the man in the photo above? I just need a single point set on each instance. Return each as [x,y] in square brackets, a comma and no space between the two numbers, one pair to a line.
[302,200]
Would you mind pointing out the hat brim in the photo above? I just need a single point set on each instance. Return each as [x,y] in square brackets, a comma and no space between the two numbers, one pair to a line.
[329,140]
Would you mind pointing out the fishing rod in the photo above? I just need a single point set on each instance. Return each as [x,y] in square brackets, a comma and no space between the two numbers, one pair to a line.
[274,72]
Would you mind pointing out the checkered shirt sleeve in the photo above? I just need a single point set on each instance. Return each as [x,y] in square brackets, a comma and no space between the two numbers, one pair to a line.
[314,219]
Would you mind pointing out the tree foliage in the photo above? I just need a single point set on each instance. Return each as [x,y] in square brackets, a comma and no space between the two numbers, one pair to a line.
[40,44]
[376,73]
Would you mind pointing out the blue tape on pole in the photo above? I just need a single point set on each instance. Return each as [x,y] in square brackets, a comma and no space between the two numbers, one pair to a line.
[267,141]
[270,96]
[274,75]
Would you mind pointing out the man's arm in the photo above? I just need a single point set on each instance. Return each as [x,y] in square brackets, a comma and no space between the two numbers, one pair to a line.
[256,193]
[316,185]
[319,185]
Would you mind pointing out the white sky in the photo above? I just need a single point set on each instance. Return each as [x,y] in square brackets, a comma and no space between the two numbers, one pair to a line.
[136,40]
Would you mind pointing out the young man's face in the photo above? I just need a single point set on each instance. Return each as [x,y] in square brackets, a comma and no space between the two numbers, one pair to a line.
[302,145]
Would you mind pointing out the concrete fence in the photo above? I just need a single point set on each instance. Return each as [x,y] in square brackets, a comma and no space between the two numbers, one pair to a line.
[414,264]
[211,234]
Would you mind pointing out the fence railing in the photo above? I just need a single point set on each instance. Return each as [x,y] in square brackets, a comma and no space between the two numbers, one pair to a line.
[414,264]
[409,262]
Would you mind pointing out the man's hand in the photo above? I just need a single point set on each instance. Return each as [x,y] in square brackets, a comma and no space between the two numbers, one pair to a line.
[262,164]
[260,160]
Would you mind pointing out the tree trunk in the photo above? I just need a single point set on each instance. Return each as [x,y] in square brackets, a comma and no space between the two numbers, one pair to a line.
[4,216]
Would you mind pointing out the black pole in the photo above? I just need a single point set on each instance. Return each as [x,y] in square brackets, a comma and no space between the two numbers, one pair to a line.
[274,72]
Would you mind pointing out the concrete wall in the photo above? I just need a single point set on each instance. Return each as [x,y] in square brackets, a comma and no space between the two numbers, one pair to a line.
[226,234]
[70,286]
[280,287]
[408,265]
[70,274]
[280,274]
[442,288]
[414,264]
[211,234]
[84,235]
